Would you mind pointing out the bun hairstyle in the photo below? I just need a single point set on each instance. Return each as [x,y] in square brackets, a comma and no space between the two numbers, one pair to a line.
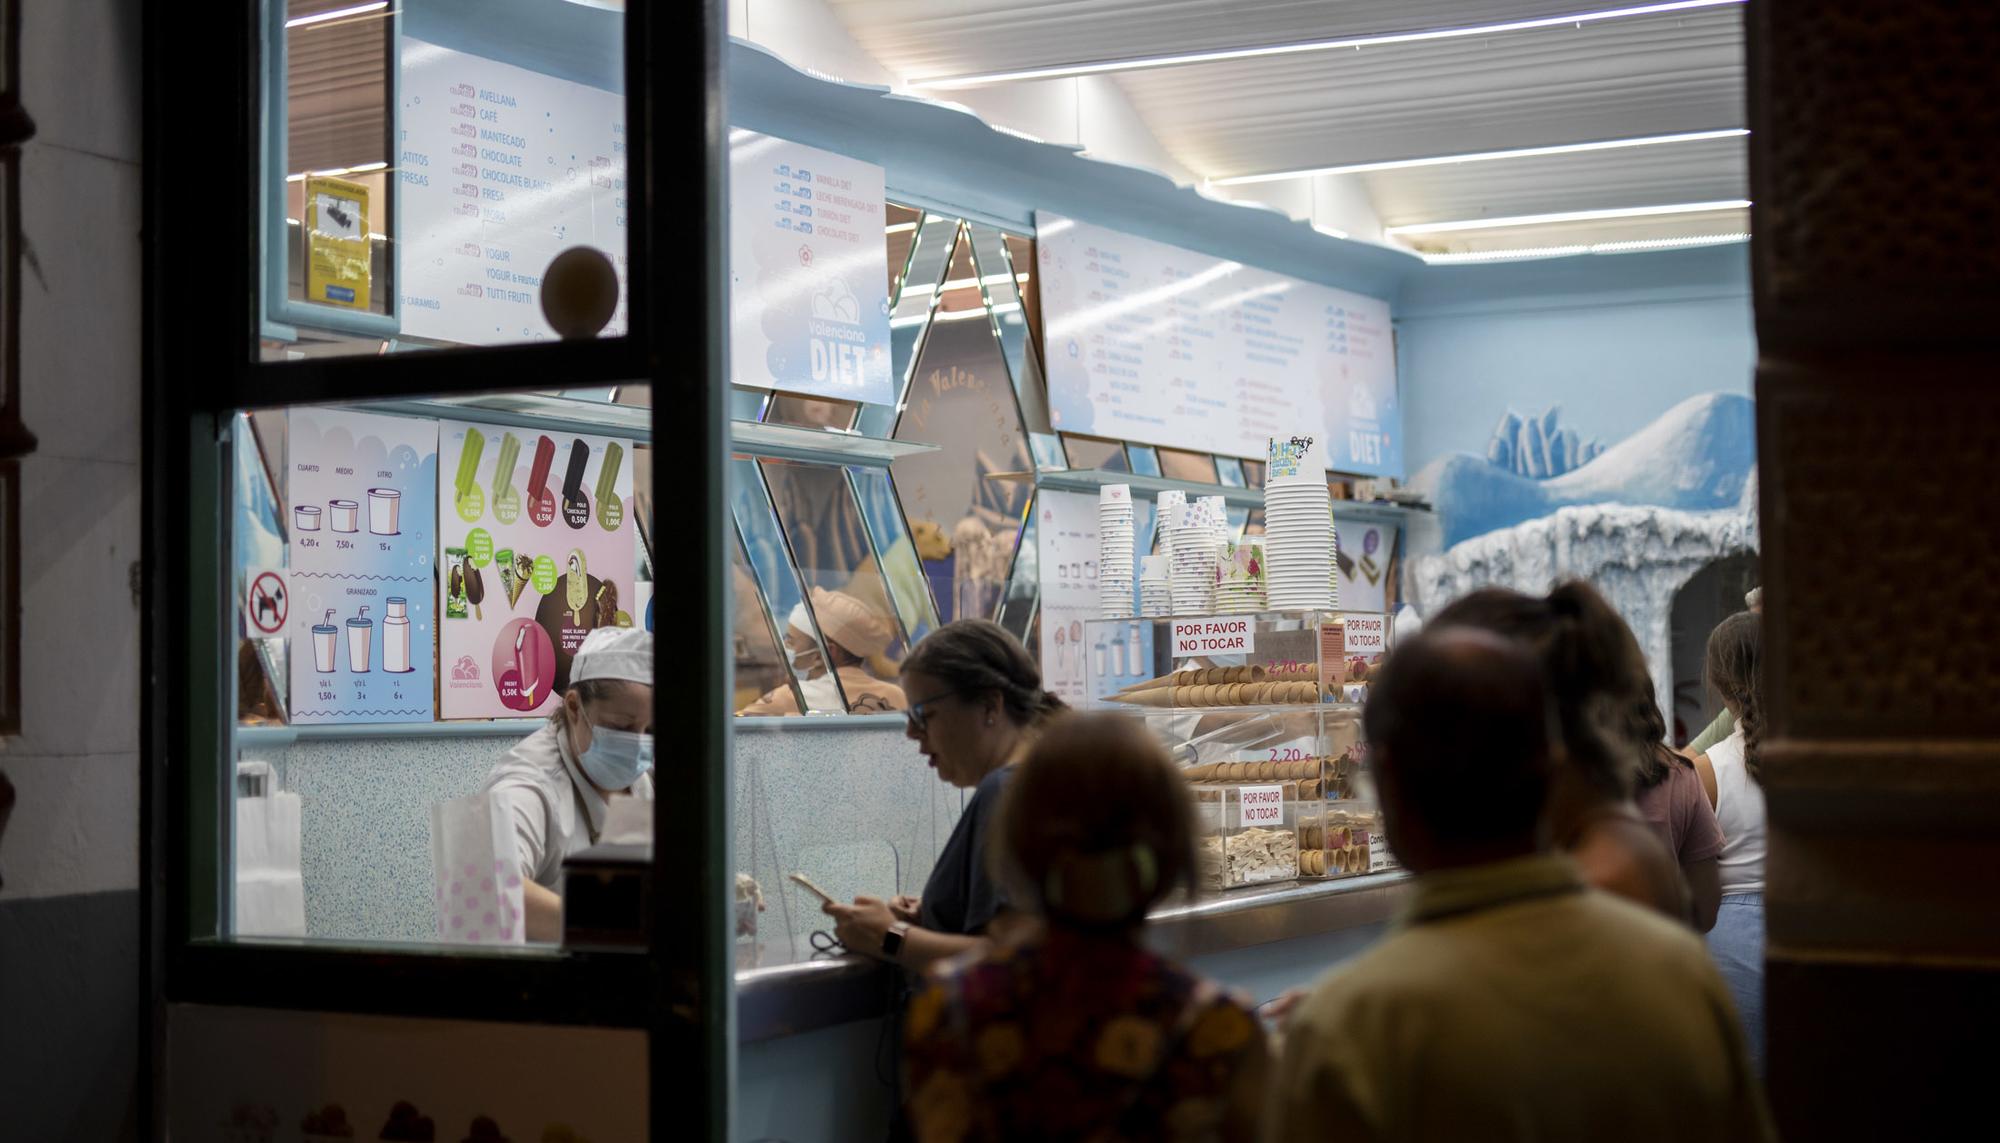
[1096,826]
[1735,648]
[978,656]
[1591,665]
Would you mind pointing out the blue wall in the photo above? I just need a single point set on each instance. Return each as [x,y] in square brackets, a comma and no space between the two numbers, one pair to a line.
[1616,340]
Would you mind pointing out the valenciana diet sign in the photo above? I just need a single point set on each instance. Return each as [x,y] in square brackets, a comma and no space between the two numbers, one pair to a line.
[1214,635]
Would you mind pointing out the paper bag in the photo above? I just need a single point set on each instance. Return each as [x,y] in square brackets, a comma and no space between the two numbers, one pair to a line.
[270,890]
[478,876]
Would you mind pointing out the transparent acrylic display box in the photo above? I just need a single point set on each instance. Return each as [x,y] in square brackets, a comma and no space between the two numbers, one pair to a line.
[1302,753]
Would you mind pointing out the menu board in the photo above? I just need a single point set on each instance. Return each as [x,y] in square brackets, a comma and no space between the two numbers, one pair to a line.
[358,487]
[535,549]
[808,271]
[502,169]
[1151,343]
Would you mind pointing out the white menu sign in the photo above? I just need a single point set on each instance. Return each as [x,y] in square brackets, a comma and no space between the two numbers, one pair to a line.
[808,271]
[502,169]
[1152,343]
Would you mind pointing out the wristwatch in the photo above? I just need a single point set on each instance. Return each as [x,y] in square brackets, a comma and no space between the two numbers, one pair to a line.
[892,941]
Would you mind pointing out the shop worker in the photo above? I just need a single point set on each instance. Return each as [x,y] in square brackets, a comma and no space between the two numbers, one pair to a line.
[855,633]
[554,784]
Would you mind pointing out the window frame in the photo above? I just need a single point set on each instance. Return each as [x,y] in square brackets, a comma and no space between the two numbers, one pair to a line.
[201,365]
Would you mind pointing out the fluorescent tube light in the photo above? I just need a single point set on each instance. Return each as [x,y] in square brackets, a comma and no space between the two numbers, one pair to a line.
[1567,216]
[364,168]
[1483,156]
[1141,63]
[1521,252]
[337,14]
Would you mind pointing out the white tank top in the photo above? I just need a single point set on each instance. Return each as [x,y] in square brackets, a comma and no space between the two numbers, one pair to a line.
[1739,809]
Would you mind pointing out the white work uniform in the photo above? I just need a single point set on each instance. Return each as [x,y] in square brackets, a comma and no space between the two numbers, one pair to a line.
[553,808]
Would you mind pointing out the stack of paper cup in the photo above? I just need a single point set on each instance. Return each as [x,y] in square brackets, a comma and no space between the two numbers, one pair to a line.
[1156,592]
[1243,584]
[1298,524]
[1166,517]
[1114,551]
[1196,557]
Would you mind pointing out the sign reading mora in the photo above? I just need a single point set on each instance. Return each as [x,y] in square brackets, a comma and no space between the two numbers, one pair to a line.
[808,271]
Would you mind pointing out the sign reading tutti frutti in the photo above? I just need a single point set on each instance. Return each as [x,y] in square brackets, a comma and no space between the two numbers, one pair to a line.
[1215,635]
[1263,806]
[1367,634]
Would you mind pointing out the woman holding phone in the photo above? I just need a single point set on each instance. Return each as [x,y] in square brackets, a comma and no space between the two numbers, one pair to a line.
[976,704]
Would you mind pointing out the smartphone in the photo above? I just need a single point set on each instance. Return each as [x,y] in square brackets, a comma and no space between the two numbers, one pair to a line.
[804,882]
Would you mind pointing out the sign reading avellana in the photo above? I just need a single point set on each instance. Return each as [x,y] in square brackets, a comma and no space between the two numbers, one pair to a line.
[1263,806]
[1367,633]
[1214,635]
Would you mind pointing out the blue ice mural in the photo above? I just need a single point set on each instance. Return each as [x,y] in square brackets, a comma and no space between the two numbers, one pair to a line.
[1699,456]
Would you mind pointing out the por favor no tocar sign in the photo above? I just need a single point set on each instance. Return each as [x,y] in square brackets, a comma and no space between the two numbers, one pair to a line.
[1215,635]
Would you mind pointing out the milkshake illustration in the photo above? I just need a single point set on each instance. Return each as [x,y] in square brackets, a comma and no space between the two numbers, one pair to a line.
[1117,655]
[396,637]
[360,641]
[306,517]
[1133,656]
[345,513]
[325,644]
[384,507]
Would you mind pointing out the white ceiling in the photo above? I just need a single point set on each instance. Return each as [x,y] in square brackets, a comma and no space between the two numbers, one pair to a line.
[1635,76]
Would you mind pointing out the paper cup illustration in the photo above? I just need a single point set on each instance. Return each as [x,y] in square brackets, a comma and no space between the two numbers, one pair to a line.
[396,637]
[326,644]
[306,517]
[346,515]
[384,506]
[360,641]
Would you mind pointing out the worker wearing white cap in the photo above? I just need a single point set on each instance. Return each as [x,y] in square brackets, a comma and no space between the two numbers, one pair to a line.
[854,632]
[554,784]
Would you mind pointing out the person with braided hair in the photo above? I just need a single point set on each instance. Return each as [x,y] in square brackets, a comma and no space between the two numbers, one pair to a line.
[1732,776]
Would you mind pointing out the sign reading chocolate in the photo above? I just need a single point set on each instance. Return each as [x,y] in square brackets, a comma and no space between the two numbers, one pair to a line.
[1215,635]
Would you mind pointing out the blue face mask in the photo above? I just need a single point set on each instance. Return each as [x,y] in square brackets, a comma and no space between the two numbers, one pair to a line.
[616,758]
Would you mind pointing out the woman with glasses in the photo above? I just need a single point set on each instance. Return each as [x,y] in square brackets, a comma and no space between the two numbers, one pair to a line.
[975,705]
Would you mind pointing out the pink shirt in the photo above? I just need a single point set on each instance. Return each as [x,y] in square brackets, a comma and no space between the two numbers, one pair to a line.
[1679,812]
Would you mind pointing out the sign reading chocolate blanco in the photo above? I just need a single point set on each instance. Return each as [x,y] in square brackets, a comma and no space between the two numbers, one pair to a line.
[1214,635]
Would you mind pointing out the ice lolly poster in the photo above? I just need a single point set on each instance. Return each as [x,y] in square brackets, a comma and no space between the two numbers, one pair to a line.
[358,496]
[536,549]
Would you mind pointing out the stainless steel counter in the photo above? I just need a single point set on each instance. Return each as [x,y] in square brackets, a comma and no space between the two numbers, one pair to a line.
[784,1000]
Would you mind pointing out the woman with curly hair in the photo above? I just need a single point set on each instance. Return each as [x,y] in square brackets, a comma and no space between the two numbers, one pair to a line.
[1732,775]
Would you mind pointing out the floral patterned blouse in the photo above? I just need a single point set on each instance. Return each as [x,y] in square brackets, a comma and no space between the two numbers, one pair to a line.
[1074,1036]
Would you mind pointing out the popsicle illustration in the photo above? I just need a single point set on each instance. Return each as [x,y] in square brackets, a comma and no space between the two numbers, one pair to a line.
[475,588]
[610,506]
[578,584]
[524,664]
[541,504]
[468,466]
[504,492]
[576,507]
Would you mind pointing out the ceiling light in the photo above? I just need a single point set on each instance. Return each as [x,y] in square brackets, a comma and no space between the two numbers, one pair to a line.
[364,168]
[337,14]
[1331,231]
[1585,248]
[1568,216]
[1484,156]
[946,82]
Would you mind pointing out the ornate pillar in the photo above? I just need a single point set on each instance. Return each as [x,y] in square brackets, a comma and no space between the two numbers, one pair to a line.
[1875,169]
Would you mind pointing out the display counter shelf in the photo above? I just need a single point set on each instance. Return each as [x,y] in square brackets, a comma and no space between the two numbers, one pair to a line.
[784,1000]
[790,442]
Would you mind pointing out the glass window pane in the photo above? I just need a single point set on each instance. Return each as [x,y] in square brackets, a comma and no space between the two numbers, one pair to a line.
[898,552]
[437,156]
[1195,467]
[784,597]
[411,581]
[1094,452]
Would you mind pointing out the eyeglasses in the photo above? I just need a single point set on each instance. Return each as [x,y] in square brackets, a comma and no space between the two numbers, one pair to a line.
[918,718]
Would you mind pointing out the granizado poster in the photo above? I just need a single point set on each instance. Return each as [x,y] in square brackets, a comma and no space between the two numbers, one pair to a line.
[358,486]
[535,550]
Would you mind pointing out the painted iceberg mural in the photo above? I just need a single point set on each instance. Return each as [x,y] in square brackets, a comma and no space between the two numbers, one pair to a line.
[1697,457]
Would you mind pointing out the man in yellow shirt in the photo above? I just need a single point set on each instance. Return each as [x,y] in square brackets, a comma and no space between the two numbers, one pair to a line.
[1510,1002]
